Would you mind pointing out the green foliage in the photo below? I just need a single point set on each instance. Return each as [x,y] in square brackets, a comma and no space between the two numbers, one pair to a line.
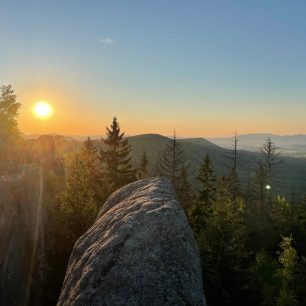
[9,133]
[173,161]
[142,172]
[9,108]
[287,273]
[90,160]
[117,157]
[265,282]
[78,206]
[183,189]
[228,234]
[221,236]
[208,182]
[280,281]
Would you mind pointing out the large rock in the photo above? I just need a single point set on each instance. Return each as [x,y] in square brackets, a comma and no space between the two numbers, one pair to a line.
[140,251]
[21,230]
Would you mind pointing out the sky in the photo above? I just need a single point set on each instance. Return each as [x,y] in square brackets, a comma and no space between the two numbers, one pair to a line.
[205,68]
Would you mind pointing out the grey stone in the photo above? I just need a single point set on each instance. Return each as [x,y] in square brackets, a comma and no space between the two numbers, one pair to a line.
[140,251]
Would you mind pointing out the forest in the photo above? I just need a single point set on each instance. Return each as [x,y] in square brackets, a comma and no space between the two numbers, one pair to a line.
[251,236]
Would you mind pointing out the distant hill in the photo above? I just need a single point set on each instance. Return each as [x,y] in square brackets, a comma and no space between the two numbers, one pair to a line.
[292,145]
[291,178]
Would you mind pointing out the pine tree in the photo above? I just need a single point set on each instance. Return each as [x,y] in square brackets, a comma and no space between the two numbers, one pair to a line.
[142,172]
[221,242]
[202,205]
[77,202]
[117,157]
[89,157]
[173,161]
[208,181]
[261,181]
[233,175]
[184,189]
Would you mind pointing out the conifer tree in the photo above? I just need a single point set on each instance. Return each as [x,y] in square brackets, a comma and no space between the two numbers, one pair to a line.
[221,242]
[89,157]
[77,202]
[208,181]
[142,172]
[270,159]
[202,205]
[173,161]
[261,181]
[233,175]
[117,157]
[184,189]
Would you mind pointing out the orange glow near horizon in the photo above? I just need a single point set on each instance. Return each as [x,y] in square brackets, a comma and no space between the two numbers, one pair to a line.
[74,117]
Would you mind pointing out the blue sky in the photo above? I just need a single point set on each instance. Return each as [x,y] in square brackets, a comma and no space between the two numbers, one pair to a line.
[203,67]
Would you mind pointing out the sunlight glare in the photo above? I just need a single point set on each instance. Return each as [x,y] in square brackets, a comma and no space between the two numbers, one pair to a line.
[42,109]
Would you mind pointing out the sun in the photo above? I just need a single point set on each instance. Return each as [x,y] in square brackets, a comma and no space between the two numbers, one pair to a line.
[42,109]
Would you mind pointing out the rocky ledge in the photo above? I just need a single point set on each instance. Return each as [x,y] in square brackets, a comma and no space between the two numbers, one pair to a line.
[140,251]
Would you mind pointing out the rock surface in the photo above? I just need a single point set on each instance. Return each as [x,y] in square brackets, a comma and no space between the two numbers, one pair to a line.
[140,251]
[21,230]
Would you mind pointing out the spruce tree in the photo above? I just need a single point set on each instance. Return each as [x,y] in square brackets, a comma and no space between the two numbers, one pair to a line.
[89,157]
[77,202]
[261,181]
[117,157]
[208,181]
[184,189]
[173,161]
[233,175]
[142,172]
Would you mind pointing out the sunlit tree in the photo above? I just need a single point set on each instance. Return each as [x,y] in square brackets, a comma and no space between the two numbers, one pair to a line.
[117,158]
[77,202]
[9,132]
[90,159]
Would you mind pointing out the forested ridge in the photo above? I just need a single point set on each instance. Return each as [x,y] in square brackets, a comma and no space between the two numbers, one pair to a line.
[251,236]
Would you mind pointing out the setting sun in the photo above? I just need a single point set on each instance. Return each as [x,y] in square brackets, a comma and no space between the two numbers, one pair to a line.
[42,109]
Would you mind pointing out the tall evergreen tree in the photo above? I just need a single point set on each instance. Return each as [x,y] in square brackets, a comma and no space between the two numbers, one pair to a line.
[184,189]
[202,205]
[89,157]
[208,181]
[261,181]
[173,161]
[117,157]
[221,241]
[142,172]
[233,175]
[77,202]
